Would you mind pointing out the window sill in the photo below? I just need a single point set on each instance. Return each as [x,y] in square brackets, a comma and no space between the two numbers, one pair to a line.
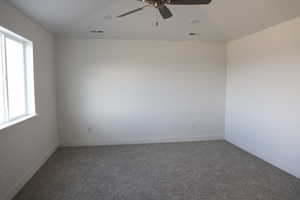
[12,123]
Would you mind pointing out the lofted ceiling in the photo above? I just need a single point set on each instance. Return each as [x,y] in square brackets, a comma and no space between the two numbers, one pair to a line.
[222,20]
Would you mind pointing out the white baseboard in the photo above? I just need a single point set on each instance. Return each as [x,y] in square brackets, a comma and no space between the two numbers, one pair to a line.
[27,176]
[76,143]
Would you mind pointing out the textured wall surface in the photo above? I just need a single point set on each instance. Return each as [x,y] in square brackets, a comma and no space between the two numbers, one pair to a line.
[118,91]
[263,95]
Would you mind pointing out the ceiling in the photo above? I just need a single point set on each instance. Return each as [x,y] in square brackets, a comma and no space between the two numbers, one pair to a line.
[222,20]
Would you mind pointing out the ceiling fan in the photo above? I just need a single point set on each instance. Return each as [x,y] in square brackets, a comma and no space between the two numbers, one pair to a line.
[163,9]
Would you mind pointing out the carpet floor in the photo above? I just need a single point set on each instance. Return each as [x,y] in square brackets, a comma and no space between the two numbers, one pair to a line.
[213,170]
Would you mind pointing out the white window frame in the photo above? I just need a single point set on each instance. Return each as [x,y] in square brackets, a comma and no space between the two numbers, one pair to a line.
[30,110]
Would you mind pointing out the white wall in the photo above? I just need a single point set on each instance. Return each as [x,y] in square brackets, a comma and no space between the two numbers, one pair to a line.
[263,95]
[25,146]
[112,92]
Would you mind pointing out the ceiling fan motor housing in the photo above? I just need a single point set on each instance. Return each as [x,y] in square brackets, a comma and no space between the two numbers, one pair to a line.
[163,9]
[157,3]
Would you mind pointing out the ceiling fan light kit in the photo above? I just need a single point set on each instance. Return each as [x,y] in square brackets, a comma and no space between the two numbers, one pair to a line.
[163,9]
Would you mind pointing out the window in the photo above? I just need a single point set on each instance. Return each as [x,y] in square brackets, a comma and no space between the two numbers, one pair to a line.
[16,79]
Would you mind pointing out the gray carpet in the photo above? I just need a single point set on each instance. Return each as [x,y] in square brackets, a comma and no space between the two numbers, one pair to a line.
[214,170]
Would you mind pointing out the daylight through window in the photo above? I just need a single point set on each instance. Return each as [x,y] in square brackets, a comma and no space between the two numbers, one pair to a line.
[16,78]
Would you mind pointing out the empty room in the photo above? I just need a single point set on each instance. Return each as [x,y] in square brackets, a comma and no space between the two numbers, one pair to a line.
[149,100]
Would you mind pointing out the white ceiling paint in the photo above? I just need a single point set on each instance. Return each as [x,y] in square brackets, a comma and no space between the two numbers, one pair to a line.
[222,20]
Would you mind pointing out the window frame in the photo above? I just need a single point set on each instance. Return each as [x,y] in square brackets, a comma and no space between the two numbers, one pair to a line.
[29,93]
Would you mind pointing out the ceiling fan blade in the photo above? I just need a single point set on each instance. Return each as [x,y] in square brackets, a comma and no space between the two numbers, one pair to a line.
[165,12]
[189,2]
[133,11]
